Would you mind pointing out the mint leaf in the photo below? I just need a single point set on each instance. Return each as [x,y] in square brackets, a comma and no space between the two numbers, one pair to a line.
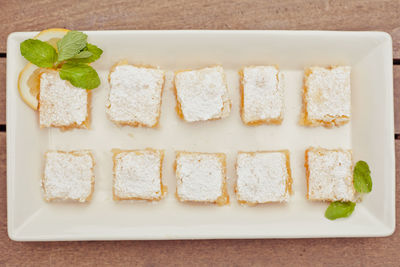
[339,209]
[70,45]
[83,54]
[39,53]
[362,177]
[80,75]
[96,53]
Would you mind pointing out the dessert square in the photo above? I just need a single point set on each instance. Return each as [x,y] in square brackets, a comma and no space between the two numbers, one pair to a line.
[135,95]
[61,104]
[202,95]
[68,175]
[326,96]
[262,95]
[138,174]
[201,177]
[329,174]
[263,176]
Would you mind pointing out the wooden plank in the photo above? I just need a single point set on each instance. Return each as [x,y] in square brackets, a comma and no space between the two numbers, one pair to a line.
[288,252]
[396,76]
[19,15]
[2,91]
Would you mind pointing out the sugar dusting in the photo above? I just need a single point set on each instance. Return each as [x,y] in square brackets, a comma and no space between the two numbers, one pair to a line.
[135,95]
[330,175]
[328,93]
[263,95]
[200,176]
[203,94]
[137,174]
[68,175]
[262,177]
[61,104]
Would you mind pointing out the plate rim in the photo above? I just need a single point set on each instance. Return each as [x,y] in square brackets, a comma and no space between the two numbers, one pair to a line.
[10,136]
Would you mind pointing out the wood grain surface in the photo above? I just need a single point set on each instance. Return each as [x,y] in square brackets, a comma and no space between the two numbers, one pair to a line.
[178,14]
[377,15]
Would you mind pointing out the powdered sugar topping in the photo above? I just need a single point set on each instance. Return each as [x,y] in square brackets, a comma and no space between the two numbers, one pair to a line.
[137,174]
[328,93]
[200,177]
[68,175]
[203,94]
[263,95]
[135,95]
[262,177]
[61,104]
[330,176]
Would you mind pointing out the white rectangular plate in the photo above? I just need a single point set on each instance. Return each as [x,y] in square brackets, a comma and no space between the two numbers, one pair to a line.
[370,134]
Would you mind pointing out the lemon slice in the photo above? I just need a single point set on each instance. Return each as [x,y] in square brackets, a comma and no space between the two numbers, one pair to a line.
[51,36]
[29,77]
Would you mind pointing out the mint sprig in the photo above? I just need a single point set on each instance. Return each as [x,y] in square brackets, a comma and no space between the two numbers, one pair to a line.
[39,53]
[339,209]
[362,184]
[71,44]
[80,75]
[74,54]
[83,54]
[362,177]
[96,53]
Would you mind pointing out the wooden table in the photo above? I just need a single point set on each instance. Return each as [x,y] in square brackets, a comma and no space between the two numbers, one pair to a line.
[177,14]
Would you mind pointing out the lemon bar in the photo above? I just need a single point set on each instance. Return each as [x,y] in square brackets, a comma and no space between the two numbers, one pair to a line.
[135,95]
[68,175]
[329,174]
[326,96]
[138,174]
[61,104]
[262,95]
[202,94]
[201,177]
[263,176]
